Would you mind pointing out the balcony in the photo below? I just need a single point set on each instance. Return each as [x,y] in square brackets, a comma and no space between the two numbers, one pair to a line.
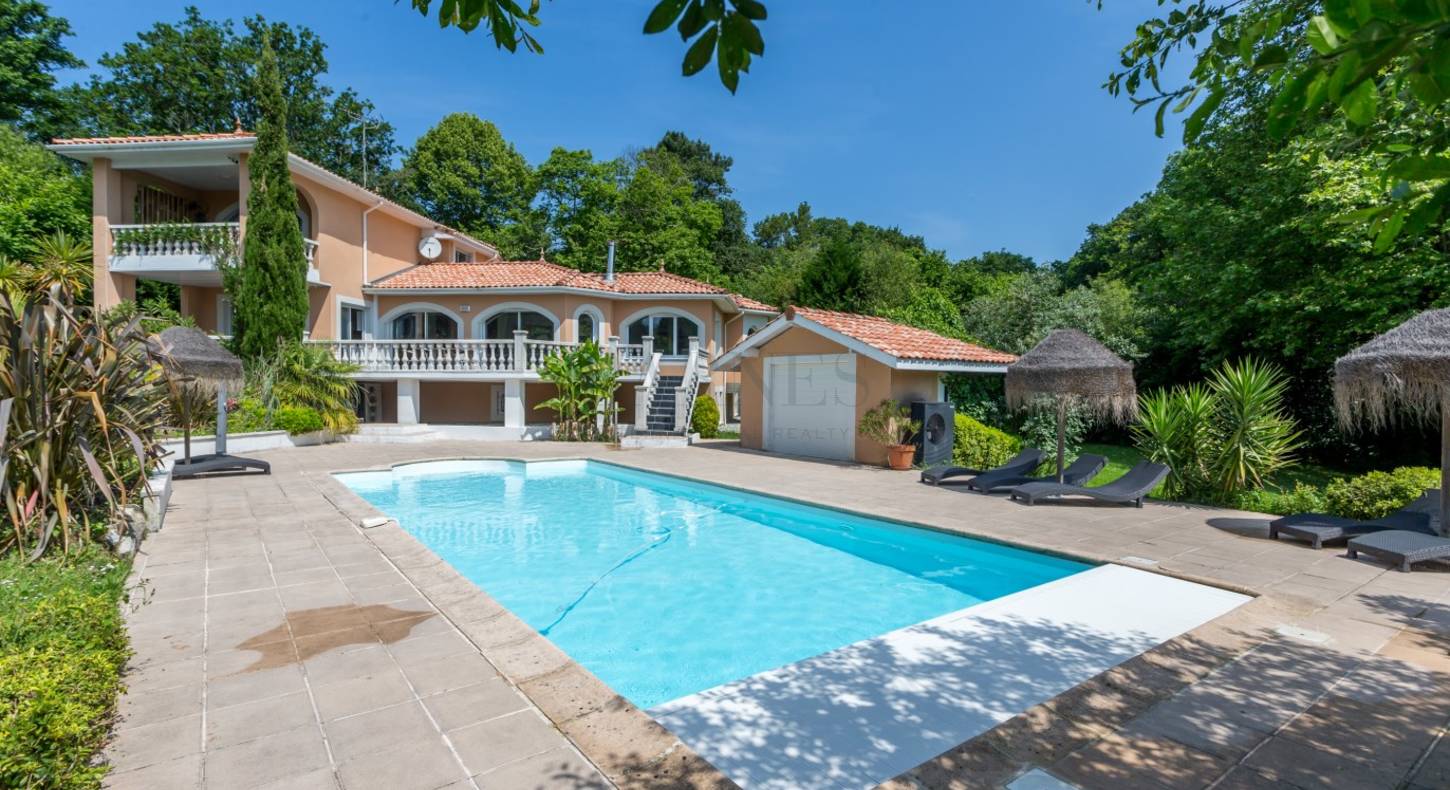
[515,358]
[183,253]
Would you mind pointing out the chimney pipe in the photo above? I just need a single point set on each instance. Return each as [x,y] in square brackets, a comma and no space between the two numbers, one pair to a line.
[609,267]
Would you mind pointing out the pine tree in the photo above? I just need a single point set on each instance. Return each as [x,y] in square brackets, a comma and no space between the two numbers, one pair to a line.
[269,290]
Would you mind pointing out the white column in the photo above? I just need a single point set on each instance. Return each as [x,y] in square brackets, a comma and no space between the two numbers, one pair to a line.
[409,392]
[520,350]
[513,403]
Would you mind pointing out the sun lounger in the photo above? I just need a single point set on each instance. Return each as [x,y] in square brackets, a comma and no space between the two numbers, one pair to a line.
[1401,547]
[1318,528]
[1082,469]
[1020,464]
[1135,484]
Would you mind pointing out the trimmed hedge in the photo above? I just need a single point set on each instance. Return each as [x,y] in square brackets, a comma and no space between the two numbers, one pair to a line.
[1379,493]
[981,446]
[62,647]
[705,420]
[297,420]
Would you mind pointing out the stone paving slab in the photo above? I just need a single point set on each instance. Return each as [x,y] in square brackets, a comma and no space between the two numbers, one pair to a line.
[287,585]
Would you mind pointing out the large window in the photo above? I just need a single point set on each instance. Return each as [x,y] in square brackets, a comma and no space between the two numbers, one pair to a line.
[501,326]
[671,333]
[424,326]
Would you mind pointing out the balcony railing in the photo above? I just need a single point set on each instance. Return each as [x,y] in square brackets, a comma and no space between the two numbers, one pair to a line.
[196,238]
[517,355]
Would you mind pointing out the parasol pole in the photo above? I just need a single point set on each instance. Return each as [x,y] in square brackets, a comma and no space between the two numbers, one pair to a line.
[1061,434]
[1444,461]
[220,441]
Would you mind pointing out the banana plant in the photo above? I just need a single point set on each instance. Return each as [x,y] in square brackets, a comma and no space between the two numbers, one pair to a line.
[586,380]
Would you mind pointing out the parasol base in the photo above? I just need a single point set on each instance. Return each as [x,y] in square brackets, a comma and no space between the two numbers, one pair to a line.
[217,463]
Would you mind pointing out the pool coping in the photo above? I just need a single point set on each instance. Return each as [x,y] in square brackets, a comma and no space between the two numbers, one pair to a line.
[624,742]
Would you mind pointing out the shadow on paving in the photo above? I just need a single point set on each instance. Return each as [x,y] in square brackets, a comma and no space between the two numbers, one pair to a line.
[851,716]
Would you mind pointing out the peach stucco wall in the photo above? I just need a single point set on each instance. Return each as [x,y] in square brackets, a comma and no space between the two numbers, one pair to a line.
[875,382]
[453,402]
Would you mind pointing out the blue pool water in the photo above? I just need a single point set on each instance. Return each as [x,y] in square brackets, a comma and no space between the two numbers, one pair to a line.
[664,587]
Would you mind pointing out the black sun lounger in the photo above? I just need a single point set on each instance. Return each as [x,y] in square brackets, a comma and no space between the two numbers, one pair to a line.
[1319,528]
[1082,469]
[1135,484]
[1020,464]
[1401,547]
[216,463]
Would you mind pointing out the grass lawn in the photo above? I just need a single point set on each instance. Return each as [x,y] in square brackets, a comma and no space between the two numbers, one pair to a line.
[62,647]
[1122,458]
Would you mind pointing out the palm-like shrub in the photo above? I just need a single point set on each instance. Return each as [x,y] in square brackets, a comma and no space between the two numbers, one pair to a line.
[61,262]
[297,375]
[83,407]
[1223,437]
[585,379]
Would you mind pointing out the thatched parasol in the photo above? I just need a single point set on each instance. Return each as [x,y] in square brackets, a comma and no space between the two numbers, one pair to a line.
[1407,369]
[195,363]
[188,354]
[1069,369]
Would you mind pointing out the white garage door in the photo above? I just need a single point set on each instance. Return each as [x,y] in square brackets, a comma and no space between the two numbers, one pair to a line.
[810,405]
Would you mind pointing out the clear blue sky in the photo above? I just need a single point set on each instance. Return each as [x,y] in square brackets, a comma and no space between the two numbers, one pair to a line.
[978,124]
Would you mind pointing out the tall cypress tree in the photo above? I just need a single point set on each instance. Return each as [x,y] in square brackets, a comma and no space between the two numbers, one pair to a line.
[269,290]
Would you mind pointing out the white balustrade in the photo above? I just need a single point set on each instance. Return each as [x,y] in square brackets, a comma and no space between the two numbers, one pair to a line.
[197,238]
[463,356]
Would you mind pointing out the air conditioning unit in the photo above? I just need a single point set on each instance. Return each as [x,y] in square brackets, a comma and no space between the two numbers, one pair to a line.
[934,441]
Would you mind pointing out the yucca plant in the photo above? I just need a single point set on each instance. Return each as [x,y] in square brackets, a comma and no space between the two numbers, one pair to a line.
[585,379]
[1221,438]
[85,405]
[60,261]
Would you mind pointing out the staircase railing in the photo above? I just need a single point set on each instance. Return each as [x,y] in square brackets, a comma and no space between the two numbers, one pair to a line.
[685,395]
[644,393]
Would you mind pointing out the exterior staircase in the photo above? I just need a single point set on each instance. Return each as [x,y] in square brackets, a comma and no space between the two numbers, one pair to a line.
[660,419]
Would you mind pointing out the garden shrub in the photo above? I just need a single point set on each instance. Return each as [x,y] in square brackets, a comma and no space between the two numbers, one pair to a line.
[1302,498]
[249,416]
[1039,429]
[981,446]
[1378,494]
[706,418]
[297,420]
[62,647]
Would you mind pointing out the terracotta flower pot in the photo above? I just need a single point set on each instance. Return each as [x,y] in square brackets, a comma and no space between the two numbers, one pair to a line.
[900,456]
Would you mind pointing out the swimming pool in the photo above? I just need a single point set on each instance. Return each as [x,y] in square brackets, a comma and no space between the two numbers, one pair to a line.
[664,587]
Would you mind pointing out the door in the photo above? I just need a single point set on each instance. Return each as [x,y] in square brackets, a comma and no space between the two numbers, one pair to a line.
[810,406]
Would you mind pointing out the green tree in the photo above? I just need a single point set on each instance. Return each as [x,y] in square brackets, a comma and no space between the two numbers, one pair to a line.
[834,279]
[724,32]
[1379,70]
[193,76]
[31,48]
[659,222]
[269,290]
[463,172]
[39,196]
[578,197]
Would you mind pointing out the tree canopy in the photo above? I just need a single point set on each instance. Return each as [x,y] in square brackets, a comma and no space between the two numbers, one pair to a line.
[724,31]
[39,196]
[1380,70]
[31,47]
[195,76]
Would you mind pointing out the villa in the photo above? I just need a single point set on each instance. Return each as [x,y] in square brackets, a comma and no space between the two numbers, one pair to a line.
[443,330]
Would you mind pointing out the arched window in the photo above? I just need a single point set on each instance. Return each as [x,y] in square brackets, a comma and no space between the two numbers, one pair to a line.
[424,325]
[671,333]
[501,326]
[586,330]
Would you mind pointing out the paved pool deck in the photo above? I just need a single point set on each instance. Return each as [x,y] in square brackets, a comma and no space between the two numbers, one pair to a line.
[281,646]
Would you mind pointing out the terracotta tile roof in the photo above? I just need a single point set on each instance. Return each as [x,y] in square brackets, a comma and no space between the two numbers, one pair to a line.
[542,274]
[153,138]
[899,340]
[746,303]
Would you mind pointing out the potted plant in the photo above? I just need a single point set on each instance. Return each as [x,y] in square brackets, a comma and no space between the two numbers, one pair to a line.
[890,424]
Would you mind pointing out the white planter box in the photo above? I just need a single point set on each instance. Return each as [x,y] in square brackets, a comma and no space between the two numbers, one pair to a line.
[242,443]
